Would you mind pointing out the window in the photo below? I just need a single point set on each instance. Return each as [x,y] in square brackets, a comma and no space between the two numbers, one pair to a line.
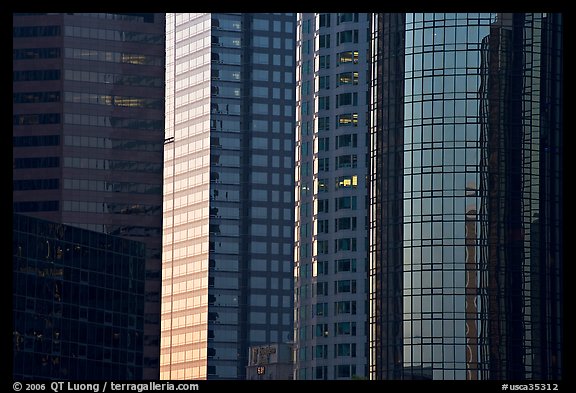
[346,99]
[321,352]
[347,119]
[346,244]
[234,42]
[324,62]
[321,309]
[35,53]
[305,108]
[305,128]
[324,41]
[345,286]
[324,20]
[321,372]
[306,47]
[113,35]
[36,75]
[306,67]
[324,82]
[321,289]
[347,161]
[345,329]
[321,330]
[324,164]
[345,307]
[108,78]
[345,350]
[322,246]
[115,57]
[304,168]
[323,206]
[36,184]
[114,100]
[347,36]
[322,226]
[305,88]
[322,268]
[36,118]
[323,144]
[322,185]
[305,271]
[347,140]
[347,78]
[306,26]
[228,24]
[345,265]
[277,26]
[304,189]
[345,223]
[346,202]
[347,17]
[36,162]
[261,24]
[347,181]
[35,97]
[36,31]
[302,354]
[36,140]
[347,57]
[323,124]
[342,371]
[324,103]
[39,206]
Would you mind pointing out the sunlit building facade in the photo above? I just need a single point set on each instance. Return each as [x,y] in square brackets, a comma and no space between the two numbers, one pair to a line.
[88,128]
[228,191]
[331,247]
[466,197]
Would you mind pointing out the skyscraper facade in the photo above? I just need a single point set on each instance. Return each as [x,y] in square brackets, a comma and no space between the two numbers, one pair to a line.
[331,245]
[228,191]
[88,122]
[466,192]
[77,304]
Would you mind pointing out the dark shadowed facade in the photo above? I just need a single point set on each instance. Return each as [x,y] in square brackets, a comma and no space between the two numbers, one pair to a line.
[78,303]
[88,128]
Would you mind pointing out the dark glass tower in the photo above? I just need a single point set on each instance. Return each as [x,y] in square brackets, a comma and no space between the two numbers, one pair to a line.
[228,191]
[78,303]
[88,118]
[466,213]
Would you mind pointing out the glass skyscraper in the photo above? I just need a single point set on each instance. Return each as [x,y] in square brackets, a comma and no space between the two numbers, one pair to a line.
[466,191]
[88,128]
[77,303]
[227,279]
[331,248]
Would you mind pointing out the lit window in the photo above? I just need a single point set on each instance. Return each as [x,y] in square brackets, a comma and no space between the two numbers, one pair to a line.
[347,78]
[347,181]
[347,119]
[347,57]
